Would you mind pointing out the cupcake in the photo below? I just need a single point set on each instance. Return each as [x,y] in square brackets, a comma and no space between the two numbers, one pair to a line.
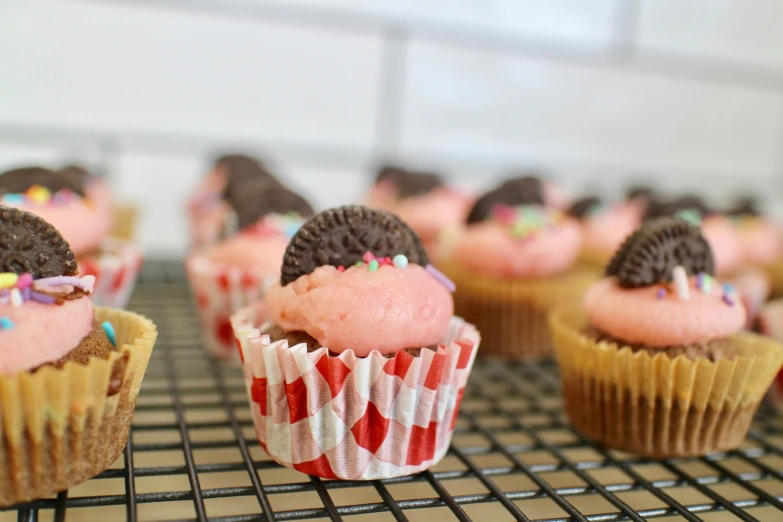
[64,198]
[654,362]
[422,200]
[233,272]
[230,177]
[355,366]
[69,375]
[552,194]
[604,227]
[512,262]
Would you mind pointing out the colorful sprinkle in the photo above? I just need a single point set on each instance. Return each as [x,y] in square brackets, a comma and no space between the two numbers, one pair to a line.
[373,265]
[42,298]
[341,269]
[13,199]
[359,263]
[109,329]
[680,277]
[704,282]
[6,323]
[16,298]
[38,194]
[400,261]
[691,216]
[441,278]
[25,280]
[728,289]
[8,279]
[661,293]
[367,257]
[727,299]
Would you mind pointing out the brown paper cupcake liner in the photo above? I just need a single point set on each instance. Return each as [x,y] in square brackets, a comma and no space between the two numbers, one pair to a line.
[654,405]
[63,426]
[512,314]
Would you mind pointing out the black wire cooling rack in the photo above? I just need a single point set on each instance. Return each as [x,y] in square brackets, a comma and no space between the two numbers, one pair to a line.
[192,455]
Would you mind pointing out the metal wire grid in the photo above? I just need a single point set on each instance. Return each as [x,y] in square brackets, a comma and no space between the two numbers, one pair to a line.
[192,455]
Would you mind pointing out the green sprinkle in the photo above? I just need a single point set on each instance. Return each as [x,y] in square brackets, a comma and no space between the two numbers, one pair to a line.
[359,263]
[373,266]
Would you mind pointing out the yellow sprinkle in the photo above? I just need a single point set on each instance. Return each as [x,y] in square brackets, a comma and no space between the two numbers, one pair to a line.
[8,279]
[39,194]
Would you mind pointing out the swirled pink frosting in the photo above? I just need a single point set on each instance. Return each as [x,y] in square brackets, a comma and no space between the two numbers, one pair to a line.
[387,310]
[82,222]
[725,242]
[249,252]
[489,248]
[42,333]
[607,229]
[382,195]
[762,241]
[555,196]
[637,316]
[428,215]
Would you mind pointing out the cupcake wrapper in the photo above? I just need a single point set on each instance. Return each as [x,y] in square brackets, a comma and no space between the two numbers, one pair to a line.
[220,292]
[124,221]
[655,405]
[512,314]
[115,269]
[343,417]
[59,426]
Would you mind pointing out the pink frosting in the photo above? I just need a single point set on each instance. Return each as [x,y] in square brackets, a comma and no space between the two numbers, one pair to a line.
[42,333]
[430,214]
[637,316]
[249,252]
[386,310]
[608,228]
[725,242]
[761,241]
[555,196]
[382,195]
[83,223]
[489,248]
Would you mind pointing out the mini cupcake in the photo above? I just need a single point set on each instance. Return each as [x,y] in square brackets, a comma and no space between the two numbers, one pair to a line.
[64,198]
[654,362]
[513,261]
[604,227]
[360,370]
[69,375]
[231,176]
[232,273]
[421,200]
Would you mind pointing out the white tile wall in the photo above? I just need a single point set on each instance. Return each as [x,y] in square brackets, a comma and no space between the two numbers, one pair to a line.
[152,88]
[742,30]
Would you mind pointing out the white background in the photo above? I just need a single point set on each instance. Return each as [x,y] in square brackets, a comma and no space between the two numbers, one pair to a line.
[599,92]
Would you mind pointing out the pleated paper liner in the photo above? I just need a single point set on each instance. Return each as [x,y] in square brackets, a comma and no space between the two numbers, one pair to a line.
[61,427]
[221,291]
[654,405]
[124,221]
[511,314]
[115,267]
[351,418]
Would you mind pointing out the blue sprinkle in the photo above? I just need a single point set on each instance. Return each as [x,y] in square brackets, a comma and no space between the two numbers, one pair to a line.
[109,329]
[6,323]
[727,288]
[13,199]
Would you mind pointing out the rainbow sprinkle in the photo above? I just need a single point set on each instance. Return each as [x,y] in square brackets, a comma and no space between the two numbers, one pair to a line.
[372,266]
[525,221]
[441,278]
[680,277]
[40,195]
[400,261]
[6,323]
[661,293]
[704,282]
[109,329]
